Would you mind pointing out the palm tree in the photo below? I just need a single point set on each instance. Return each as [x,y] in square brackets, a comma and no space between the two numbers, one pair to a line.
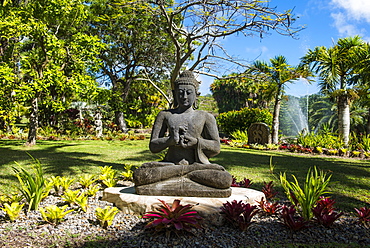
[363,76]
[335,67]
[278,73]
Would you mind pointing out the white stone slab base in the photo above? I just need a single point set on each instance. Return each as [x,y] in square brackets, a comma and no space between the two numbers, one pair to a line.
[209,208]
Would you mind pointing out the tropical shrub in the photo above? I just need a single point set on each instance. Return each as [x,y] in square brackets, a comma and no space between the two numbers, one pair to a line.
[241,136]
[173,218]
[269,191]
[268,207]
[86,180]
[363,215]
[324,212]
[232,121]
[306,198]
[106,215]
[245,183]
[239,214]
[12,210]
[290,220]
[129,171]
[66,182]
[54,214]
[31,185]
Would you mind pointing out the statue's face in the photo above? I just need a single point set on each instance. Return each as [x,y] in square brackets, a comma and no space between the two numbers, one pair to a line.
[186,95]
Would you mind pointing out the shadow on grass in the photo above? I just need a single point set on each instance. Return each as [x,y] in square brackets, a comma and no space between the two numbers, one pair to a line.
[65,158]
[350,181]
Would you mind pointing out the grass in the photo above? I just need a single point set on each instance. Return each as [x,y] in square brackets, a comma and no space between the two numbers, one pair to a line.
[350,183]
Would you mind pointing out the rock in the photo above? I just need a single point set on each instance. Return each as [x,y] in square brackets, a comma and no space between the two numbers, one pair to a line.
[129,202]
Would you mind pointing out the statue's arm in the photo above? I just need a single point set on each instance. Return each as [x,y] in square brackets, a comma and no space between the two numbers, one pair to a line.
[210,141]
[158,140]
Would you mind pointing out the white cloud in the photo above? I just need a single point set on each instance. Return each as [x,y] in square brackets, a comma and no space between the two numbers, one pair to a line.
[349,15]
[344,28]
[355,9]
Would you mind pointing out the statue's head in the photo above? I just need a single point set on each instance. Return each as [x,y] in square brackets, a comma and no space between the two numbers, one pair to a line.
[186,89]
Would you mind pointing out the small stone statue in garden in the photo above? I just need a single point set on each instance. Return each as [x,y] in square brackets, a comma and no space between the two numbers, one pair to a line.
[98,125]
[191,138]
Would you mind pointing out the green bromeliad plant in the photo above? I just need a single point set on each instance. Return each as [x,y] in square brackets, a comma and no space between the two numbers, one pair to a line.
[305,198]
[106,215]
[86,180]
[12,210]
[54,214]
[66,182]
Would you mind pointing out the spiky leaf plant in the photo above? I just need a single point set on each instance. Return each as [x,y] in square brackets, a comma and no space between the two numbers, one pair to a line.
[175,218]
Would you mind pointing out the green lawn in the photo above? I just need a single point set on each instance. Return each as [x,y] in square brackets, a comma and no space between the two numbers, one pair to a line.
[350,183]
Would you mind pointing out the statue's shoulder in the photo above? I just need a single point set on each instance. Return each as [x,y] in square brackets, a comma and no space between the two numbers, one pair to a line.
[204,114]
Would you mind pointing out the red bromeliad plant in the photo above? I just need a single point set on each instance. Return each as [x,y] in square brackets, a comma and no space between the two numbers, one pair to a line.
[363,215]
[239,214]
[245,183]
[269,191]
[173,218]
[267,207]
[291,221]
[324,211]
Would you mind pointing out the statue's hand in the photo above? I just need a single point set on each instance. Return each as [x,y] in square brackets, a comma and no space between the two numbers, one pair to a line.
[186,141]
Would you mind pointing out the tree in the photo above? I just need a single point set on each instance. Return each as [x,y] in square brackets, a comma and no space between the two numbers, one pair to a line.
[53,56]
[204,23]
[335,67]
[236,92]
[277,73]
[136,49]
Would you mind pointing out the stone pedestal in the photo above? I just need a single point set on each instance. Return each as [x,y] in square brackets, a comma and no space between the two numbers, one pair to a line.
[129,202]
[183,186]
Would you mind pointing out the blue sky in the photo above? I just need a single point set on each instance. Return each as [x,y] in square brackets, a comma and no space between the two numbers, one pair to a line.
[325,20]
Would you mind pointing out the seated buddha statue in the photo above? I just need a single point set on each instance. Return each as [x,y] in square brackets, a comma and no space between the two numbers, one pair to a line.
[191,138]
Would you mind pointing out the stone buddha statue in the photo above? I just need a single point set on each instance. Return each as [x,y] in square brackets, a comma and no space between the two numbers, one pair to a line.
[191,138]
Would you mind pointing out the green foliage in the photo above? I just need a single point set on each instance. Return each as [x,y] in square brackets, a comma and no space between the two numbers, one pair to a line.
[66,182]
[271,166]
[53,55]
[31,185]
[55,182]
[13,210]
[321,139]
[54,214]
[76,197]
[86,180]
[241,136]
[313,188]
[70,196]
[92,190]
[82,202]
[129,171]
[9,198]
[108,176]
[236,93]
[241,120]
[365,143]
[106,215]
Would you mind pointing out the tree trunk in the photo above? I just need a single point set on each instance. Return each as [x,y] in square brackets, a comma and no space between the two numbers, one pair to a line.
[120,121]
[344,118]
[275,120]
[32,133]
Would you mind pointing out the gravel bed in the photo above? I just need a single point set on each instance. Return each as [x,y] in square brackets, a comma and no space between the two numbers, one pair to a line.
[81,229]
